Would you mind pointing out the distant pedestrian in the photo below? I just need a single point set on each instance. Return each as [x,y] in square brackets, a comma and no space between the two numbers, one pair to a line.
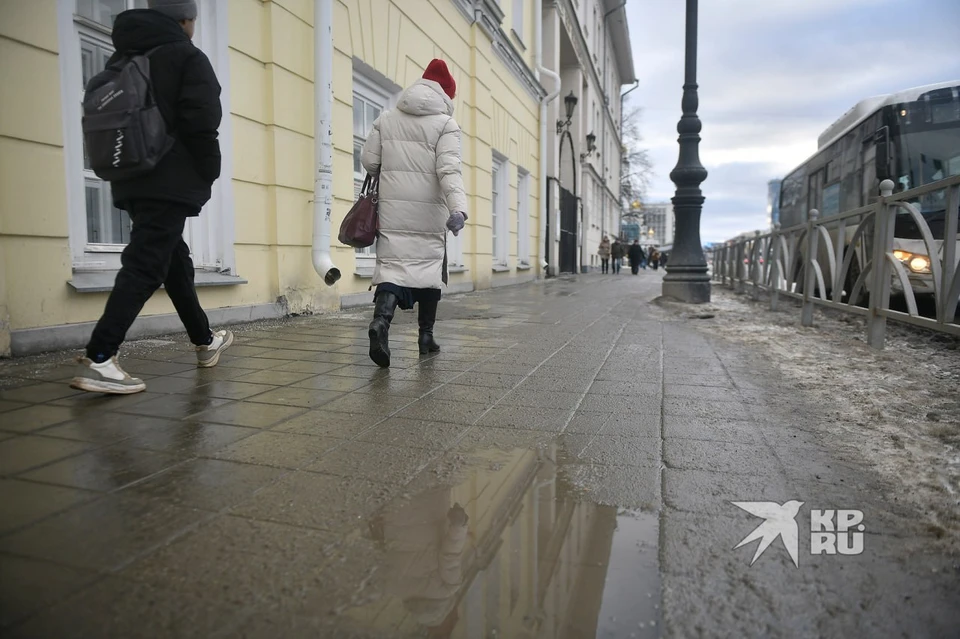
[616,255]
[159,201]
[604,253]
[636,253]
[654,257]
[415,148]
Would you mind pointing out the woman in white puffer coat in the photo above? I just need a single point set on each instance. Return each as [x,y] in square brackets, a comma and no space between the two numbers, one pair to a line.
[415,148]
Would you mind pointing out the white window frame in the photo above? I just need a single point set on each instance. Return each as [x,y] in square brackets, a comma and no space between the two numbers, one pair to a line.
[523,216]
[499,210]
[209,235]
[518,11]
[370,92]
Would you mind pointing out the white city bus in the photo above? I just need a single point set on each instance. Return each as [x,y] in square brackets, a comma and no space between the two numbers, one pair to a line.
[911,137]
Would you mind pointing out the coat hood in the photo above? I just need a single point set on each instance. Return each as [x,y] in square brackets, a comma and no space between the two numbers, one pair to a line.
[142,29]
[425,97]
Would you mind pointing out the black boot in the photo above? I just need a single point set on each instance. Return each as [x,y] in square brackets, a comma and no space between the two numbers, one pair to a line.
[427,315]
[383,310]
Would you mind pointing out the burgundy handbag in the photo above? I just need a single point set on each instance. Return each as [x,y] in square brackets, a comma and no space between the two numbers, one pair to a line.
[359,227]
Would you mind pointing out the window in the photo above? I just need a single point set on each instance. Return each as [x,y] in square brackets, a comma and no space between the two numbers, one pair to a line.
[369,101]
[523,217]
[105,224]
[98,230]
[518,10]
[498,210]
[103,12]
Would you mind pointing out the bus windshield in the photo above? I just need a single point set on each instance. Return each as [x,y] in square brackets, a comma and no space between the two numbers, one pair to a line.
[928,156]
[927,147]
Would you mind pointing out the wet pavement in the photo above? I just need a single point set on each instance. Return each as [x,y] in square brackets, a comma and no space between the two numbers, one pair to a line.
[564,468]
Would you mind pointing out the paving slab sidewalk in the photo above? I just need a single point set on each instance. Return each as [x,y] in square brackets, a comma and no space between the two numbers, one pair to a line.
[296,489]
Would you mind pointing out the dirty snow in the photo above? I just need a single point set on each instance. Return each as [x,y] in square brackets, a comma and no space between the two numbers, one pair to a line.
[899,407]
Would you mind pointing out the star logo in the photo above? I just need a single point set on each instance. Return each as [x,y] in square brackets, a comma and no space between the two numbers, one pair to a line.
[780,521]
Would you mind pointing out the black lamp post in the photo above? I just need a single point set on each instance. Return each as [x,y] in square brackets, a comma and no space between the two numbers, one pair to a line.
[686,279]
[591,146]
[569,104]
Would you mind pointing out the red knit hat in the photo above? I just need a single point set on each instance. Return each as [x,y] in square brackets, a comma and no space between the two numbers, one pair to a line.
[438,72]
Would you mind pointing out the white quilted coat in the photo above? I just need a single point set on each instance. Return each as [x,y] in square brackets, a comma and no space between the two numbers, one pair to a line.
[416,149]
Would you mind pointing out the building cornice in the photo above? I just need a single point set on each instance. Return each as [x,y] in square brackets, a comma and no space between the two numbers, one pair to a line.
[620,37]
[488,15]
[568,17]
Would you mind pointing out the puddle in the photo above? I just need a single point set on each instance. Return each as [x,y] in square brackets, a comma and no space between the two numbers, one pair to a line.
[505,547]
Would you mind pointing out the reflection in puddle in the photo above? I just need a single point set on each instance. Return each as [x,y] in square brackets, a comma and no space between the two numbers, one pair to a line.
[510,551]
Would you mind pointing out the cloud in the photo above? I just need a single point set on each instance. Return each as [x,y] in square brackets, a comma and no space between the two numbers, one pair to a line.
[773,75]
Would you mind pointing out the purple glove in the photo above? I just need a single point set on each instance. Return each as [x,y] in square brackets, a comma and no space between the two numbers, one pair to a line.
[456,222]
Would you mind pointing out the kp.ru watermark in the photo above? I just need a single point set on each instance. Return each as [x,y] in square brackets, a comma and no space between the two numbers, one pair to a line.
[832,532]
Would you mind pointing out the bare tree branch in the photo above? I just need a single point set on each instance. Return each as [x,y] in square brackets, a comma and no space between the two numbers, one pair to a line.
[637,168]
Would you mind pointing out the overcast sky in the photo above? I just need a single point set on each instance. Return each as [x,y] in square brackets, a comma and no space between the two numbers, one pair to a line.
[773,74]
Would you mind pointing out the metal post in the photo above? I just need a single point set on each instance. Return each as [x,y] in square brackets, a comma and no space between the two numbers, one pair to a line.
[775,268]
[729,257]
[755,267]
[686,278]
[721,259]
[738,266]
[949,270]
[809,275]
[880,284]
[837,266]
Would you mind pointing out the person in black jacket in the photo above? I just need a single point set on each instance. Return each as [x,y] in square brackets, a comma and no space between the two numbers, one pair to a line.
[636,256]
[188,94]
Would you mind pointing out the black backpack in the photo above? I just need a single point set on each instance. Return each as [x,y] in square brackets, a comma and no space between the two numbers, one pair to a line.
[123,131]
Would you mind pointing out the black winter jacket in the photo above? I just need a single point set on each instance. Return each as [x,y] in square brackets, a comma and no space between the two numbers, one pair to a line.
[188,95]
[636,254]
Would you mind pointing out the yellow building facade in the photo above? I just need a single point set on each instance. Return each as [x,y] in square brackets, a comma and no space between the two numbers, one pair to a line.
[60,237]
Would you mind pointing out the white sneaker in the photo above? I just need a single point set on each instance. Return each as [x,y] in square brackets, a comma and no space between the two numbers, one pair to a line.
[208,356]
[107,377]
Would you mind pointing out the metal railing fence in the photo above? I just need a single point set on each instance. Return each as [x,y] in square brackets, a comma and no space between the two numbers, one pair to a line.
[850,262]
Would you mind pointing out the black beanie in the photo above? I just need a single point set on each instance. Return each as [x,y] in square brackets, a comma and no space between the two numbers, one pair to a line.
[176,9]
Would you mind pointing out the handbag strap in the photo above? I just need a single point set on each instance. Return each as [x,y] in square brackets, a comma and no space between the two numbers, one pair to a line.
[371,185]
[366,185]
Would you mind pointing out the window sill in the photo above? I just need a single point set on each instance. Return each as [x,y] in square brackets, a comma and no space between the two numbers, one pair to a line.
[364,272]
[102,281]
[524,267]
[456,269]
[501,268]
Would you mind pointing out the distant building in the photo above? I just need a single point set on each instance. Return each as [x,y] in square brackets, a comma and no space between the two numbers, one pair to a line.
[629,231]
[658,224]
[773,202]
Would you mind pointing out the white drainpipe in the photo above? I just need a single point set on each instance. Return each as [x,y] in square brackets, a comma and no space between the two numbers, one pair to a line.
[323,140]
[544,185]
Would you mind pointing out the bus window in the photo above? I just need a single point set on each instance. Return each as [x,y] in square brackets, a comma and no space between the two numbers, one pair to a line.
[871,189]
[792,201]
[831,200]
[953,165]
[851,170]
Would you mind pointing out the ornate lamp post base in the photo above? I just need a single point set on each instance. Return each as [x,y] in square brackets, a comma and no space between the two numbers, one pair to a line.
[687,279]
[692,287]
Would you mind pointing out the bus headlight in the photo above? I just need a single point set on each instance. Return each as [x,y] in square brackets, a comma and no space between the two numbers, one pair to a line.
[916,263]
[919,264]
